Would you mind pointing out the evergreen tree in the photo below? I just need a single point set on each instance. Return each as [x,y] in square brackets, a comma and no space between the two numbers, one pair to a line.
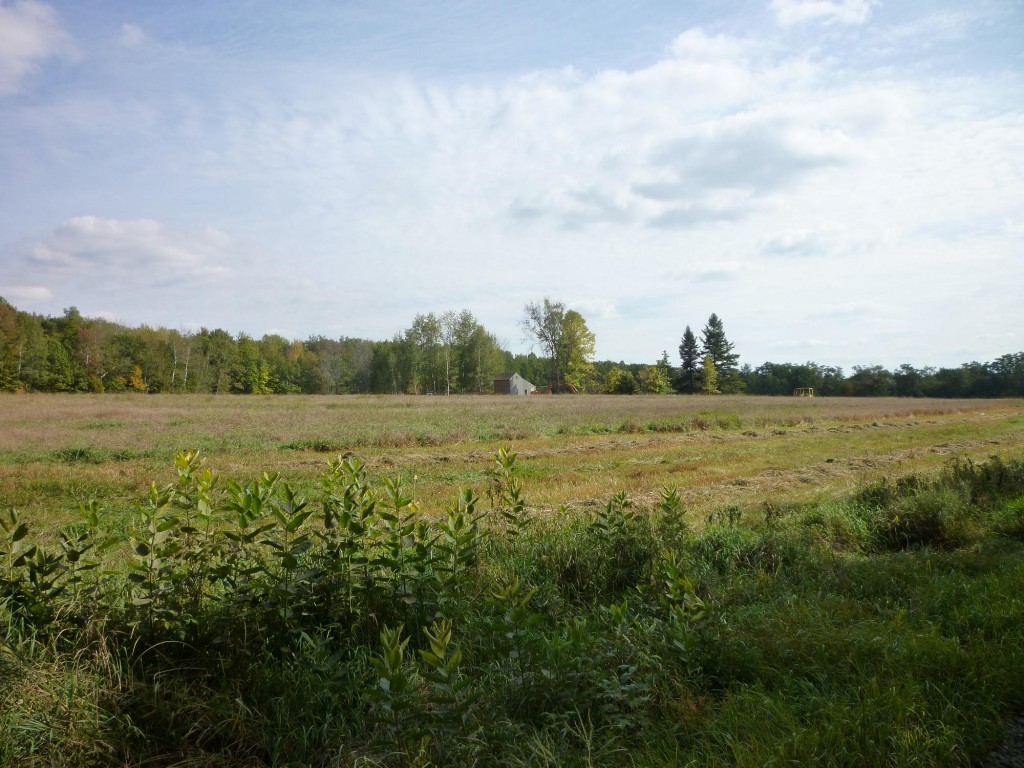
[719,349]
[689,371]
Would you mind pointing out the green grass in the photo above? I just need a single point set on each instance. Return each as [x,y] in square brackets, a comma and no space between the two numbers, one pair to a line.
[896,659]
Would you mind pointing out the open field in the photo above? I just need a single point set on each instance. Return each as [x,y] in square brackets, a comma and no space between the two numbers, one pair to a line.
[838,582]
[57,451]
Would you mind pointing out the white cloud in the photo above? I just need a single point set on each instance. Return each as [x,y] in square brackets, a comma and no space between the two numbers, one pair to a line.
[131,36]
[936,29]
[89,259]
[804,344]
[151,272]
[697,45]
[756,151]
[714,276]
[25,294]
[30,33]
[603,309]
[790,12]
[141,250]
[851,309]
[797,242]
[722,271]
[699,138]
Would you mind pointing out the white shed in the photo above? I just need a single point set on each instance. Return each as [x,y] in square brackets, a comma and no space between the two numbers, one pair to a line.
[512,384]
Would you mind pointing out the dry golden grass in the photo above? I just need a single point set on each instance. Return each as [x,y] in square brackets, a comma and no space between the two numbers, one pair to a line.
[56,451]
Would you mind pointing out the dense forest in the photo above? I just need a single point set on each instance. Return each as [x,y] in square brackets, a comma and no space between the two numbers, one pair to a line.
[442,354]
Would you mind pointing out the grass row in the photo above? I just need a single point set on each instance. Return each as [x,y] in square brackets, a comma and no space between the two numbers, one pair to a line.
[244,624]
[336,424]
[59,451]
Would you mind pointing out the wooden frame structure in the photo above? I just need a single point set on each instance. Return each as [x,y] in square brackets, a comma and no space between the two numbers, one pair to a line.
[803,392]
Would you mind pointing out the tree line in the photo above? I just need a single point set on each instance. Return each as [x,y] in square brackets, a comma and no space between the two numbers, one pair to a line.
[444,353]
[1002,377]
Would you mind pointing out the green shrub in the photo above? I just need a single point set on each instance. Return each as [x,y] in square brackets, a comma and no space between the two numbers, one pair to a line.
[936,517]
[587,560]
[1008,520]
[988,482]
[724,549]
[845,525]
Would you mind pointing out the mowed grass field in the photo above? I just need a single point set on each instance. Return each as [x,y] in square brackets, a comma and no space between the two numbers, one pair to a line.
[57,451]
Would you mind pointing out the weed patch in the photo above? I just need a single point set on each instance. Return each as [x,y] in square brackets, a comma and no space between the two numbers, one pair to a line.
[80,455]
[314,445]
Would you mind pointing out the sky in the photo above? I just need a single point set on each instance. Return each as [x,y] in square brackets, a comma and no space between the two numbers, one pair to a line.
[839,180]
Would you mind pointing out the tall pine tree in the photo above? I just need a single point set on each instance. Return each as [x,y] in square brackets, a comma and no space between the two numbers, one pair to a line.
[690,370]
[719,349]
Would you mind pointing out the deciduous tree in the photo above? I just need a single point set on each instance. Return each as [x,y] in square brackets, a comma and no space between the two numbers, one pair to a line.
[655,379]
[709,379]
[544,324]
[619,381]
[564,337]
[249,372]
[577,350]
